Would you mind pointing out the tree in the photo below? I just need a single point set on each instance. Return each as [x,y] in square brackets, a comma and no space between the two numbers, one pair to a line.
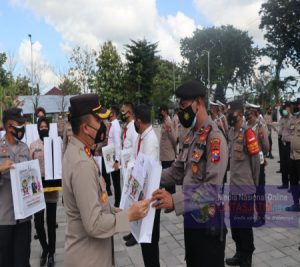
[83,68]
[69,87]
[109,75]
[281,22]
[141,69]
[232,57]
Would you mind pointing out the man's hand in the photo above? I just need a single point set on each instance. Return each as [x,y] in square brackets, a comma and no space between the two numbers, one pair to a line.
[138,210]
[116,166]
[6,165]
[163,199]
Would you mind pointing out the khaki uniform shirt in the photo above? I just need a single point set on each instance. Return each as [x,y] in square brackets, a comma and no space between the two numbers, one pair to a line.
[18,153]
[168,141]
[91,221]
[36,151]
[295,138]
[244,169]
[286,131]
[68,133]
[200,173]
[280,126]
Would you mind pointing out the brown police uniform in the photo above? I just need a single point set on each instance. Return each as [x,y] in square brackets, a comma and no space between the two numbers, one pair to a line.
[200,168]
[67,134]
[15,235]
[91,221]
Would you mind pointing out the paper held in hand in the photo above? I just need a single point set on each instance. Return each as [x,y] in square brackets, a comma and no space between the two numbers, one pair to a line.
[108,153]
[27,189]
[140,182]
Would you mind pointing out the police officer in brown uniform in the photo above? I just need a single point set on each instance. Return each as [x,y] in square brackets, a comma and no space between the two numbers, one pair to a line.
[295,157]
[91,220]
[200,168]
[15,235]
[244,176]
[261,132]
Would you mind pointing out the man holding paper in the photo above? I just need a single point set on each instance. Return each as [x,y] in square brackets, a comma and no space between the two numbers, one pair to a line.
[200,168]
[91,220]
[15,235]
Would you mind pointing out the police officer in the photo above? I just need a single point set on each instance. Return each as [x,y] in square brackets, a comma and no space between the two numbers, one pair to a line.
[91,220]
[244,176]
[218,117]
[261,132]
[200,168]
[15,235]
[286,143]
[295,157]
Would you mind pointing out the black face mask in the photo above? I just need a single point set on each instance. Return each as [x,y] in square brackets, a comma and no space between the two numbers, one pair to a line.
[19,132]
[43,133]
[232,120]
[123,117]
[136,128]
[101,133]
[186,116]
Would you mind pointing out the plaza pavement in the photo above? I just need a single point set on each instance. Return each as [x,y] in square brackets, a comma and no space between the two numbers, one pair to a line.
[275,246]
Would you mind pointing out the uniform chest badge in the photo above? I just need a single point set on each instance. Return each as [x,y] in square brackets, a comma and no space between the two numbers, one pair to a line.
[195,168]
[87,151]
[196,155]
[103,197]
[215,144]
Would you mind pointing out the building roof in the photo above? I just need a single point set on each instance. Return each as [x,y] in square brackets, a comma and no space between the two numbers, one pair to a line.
[54,91]
[51,103]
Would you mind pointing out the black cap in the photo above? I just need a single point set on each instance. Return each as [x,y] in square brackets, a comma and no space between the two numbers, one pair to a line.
[191,89]
[236,105]
[87,104]
[14,114]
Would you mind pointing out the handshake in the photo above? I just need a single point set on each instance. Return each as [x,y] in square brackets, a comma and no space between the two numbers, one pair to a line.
[161,200]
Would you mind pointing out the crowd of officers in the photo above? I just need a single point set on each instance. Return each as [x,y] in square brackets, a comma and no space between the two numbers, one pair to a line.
[196,148]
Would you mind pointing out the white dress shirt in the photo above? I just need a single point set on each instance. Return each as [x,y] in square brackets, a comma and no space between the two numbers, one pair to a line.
[148,145]
[114,137]
[131,136]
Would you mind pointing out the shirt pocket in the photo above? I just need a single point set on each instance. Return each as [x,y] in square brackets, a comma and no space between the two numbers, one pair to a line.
[238,152]
[196,164]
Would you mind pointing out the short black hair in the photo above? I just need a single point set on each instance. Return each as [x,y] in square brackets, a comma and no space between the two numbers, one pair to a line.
[78,121]
[143,113]
[164,108]
[115,109]
[130,105]
[39,109]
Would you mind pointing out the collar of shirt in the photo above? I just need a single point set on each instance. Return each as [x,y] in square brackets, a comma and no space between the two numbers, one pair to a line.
[129,125]
[149,129]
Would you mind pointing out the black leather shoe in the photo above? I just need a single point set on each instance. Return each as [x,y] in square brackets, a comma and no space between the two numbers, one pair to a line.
[51,262]
[246,260]
[278,171]
[283,187]
[131,242]
[127,237]
[43,258]
[271,157]
[234,261]
[259,222]
[294,207]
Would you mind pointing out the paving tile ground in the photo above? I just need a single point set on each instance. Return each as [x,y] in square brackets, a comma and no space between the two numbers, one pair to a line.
[275,246]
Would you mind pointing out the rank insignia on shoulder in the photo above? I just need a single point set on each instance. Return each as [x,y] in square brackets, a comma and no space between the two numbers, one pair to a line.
[204,133]
[87,151]
[194,168]
[215,144]
[103,197]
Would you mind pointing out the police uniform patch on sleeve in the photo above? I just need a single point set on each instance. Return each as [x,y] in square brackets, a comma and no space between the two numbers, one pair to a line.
[215,144]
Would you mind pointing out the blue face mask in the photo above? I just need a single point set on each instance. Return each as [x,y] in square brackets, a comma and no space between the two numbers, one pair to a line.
[285,113]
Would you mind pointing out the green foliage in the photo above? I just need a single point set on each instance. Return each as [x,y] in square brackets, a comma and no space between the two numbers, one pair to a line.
[141,69]
[69,87]
[109,75]
[232,57]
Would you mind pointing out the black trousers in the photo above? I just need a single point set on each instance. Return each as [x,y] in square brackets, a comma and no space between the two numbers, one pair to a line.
[39,223]
[15,245]
[241,222]
[150,251]
[167,164]
[260,197]
[116,178]
[280,150]
[203,250]
[294,179]
[285,160]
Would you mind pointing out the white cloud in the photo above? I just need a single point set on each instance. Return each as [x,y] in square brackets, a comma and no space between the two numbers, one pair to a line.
[243,14]
[42,71]
[91,22]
